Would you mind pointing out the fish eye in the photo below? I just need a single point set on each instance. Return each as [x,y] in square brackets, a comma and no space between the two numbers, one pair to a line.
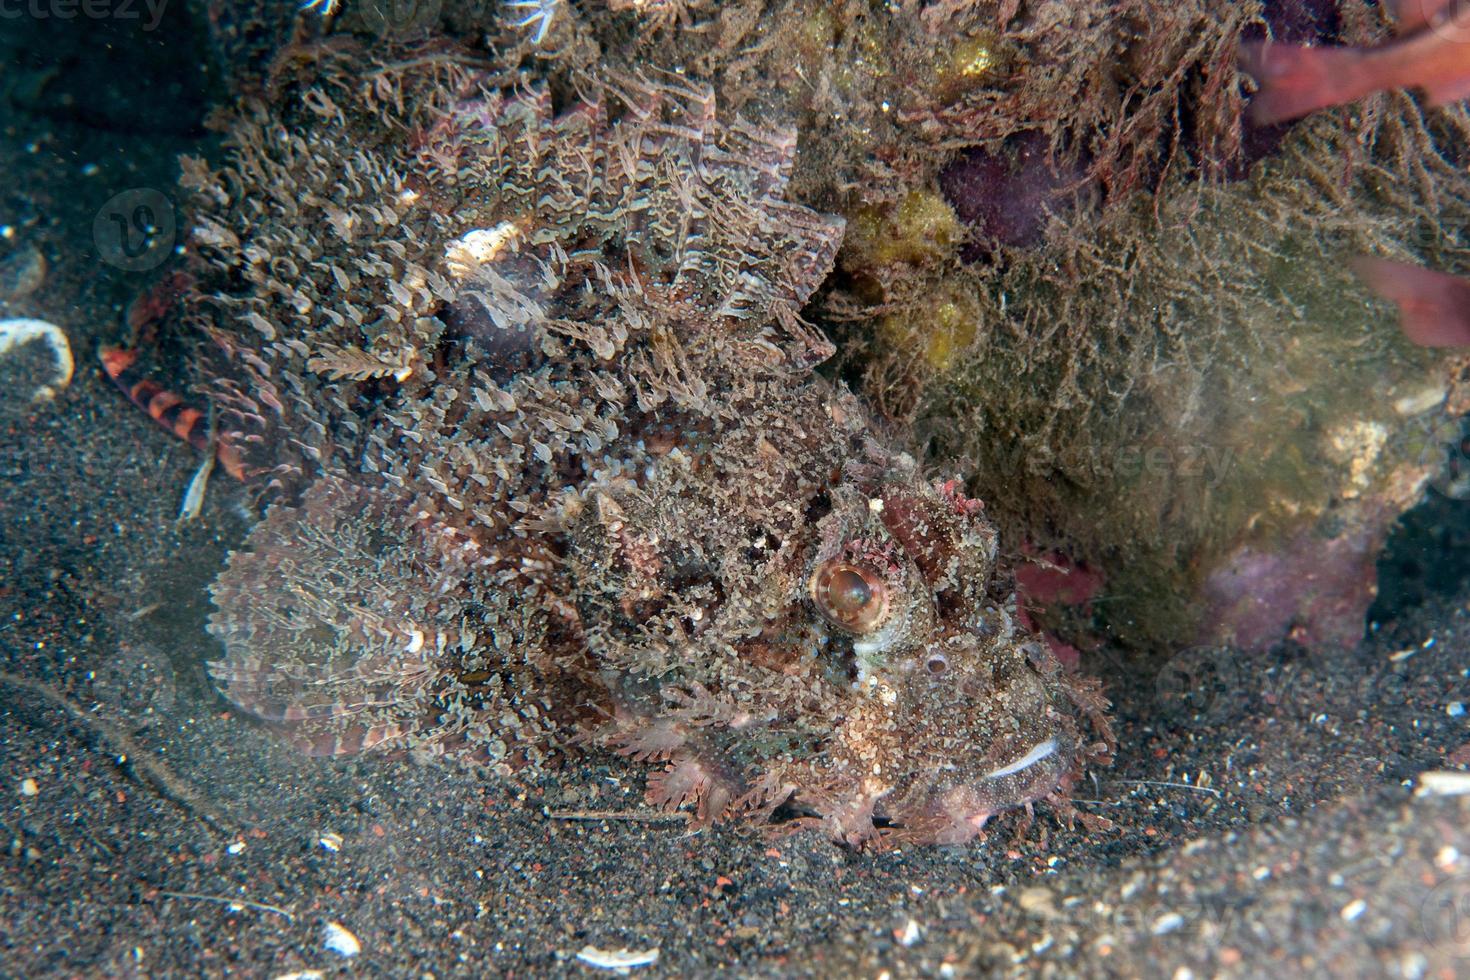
[849,595]
[936,663]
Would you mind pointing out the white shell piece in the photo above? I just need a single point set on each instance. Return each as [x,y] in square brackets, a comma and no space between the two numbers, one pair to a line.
[19,331]
[339,940]
[618,960]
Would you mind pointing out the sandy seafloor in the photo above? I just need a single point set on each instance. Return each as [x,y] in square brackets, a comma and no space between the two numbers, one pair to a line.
[1265,826]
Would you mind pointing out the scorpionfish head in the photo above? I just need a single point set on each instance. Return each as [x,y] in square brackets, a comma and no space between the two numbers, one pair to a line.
[954,715]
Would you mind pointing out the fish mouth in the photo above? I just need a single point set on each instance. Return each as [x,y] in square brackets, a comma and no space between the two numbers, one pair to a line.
[958,812]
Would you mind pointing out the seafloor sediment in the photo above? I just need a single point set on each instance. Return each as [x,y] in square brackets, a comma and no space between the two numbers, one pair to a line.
[1264,806]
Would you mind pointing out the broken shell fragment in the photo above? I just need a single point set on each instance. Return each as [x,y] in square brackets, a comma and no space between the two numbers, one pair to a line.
[617,960]
[19,331]
[339,940]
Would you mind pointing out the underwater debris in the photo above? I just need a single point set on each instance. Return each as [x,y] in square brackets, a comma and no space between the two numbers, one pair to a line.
[338,939]
[611,505]
[618,960]
[235,904]
[17,332]
[1443,782]
[141,765]
[193,502]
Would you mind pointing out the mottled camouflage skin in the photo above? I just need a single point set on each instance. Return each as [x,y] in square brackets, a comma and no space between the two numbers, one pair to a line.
[552,469]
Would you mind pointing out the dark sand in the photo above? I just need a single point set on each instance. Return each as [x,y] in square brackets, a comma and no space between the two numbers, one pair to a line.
[1265,826]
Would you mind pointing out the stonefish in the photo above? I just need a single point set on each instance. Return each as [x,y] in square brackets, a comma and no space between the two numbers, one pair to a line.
[551,469]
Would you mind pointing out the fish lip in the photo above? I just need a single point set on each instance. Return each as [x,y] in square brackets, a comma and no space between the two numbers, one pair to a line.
[1039,752]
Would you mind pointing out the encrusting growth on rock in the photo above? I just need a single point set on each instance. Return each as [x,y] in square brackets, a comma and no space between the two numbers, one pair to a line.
[531,394]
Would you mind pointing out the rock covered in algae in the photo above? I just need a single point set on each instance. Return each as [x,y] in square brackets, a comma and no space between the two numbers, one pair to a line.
[532,392]
[1195,397]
